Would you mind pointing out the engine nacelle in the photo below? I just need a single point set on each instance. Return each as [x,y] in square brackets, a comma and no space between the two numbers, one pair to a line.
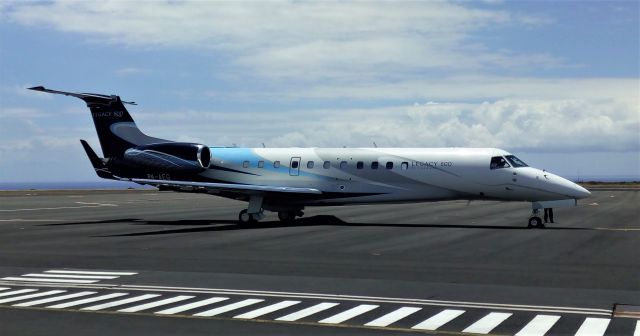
[171,156]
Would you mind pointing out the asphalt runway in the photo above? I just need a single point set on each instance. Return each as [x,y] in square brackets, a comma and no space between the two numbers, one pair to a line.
[164,263]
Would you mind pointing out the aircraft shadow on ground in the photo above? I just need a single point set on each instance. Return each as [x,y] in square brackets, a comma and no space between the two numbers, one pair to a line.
[320,220]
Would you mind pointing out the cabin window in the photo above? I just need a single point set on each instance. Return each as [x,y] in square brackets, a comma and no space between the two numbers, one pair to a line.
[245,164]
[389,165]
[360,165]
[260,164]
[326,165]
[498,162]
[276,164]
[343,164]
[310,164]
[294,164]
[404,165]
[374,165]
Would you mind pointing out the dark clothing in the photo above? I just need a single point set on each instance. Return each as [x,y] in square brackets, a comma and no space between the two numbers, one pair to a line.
[548,214]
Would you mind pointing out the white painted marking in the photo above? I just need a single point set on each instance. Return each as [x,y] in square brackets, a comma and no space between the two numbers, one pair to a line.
[30,220]
[348,314]
[307,311]
[438,320]
[180,309]
[30,296]
[230,307]
[52,299]
[121,302]
[404,301]
[266,310]
[3,288]
[156,304]
[539,325]
[19,291]
[90,205]
[49,280]
[89,300]
[393,317]
[487,323]
[637,332]
[90,272]
[67,276]
[593,327]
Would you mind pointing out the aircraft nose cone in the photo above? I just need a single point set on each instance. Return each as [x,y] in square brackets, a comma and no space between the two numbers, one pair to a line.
[580,192]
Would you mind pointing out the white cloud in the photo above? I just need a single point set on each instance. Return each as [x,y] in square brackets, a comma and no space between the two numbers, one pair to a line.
[128,71]
[528,125]
[301,40]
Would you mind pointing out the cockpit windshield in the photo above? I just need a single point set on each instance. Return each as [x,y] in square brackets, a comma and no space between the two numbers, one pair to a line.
[498,162]
[515,162]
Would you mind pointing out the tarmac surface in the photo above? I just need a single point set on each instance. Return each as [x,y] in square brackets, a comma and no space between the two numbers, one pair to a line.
[164,263]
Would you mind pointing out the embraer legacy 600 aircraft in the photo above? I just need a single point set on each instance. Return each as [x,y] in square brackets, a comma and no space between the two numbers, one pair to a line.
[286,180]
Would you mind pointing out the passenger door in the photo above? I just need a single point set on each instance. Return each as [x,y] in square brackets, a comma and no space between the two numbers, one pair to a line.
[294,166]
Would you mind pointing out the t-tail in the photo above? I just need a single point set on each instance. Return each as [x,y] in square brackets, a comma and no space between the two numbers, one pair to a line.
[127,151]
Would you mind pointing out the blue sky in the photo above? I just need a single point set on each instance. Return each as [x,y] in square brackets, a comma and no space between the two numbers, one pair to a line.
[556,83]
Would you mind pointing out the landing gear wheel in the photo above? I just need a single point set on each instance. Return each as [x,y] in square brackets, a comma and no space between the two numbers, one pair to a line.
[246,218]
[535,222]
[287,216]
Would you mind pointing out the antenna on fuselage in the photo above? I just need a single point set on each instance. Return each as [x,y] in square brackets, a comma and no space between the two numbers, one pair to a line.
[263,146]
[375,145]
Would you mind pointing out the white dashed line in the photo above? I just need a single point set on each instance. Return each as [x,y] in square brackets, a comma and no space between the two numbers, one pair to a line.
[19,291]
[121,302]
[230,307]
[307,311]
[487,323]
[69,276]
[193,305]
[438,320]
[30,296]
[348,314]
[90,272]
[539,325]
[49,280]
[53,299]
[593,327]
[156,304]
[89,300]
[393,317]
[266,310]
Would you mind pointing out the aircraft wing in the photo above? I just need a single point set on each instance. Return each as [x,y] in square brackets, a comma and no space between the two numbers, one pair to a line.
[238,188]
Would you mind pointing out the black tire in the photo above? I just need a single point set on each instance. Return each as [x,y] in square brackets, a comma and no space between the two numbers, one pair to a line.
[245,218]
[535,222]
[286,216]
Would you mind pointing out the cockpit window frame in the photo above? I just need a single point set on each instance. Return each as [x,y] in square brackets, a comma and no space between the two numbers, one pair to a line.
[515,161]
[496,162]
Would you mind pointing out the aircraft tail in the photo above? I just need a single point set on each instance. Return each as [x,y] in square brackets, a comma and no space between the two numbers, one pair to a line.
[116,129]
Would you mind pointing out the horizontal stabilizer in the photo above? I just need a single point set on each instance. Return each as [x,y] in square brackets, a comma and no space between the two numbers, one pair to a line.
[79,95]
[96,162]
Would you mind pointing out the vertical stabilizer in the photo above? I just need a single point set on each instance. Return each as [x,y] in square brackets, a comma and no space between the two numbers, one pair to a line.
[116,129]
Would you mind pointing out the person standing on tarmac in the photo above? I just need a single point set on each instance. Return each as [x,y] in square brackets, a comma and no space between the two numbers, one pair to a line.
[548,215]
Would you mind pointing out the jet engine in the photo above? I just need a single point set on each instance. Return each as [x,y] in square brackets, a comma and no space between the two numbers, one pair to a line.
[171,156]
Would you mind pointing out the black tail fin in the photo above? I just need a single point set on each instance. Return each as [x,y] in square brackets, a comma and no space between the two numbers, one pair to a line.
[116,129]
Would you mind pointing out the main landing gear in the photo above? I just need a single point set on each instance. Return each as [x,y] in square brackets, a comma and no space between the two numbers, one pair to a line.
[535,220]
[255,212]
[284,216]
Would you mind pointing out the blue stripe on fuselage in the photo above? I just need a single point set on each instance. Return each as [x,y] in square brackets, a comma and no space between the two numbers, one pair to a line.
[236,156]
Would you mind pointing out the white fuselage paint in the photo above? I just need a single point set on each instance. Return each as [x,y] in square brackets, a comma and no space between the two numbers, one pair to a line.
[418,174]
